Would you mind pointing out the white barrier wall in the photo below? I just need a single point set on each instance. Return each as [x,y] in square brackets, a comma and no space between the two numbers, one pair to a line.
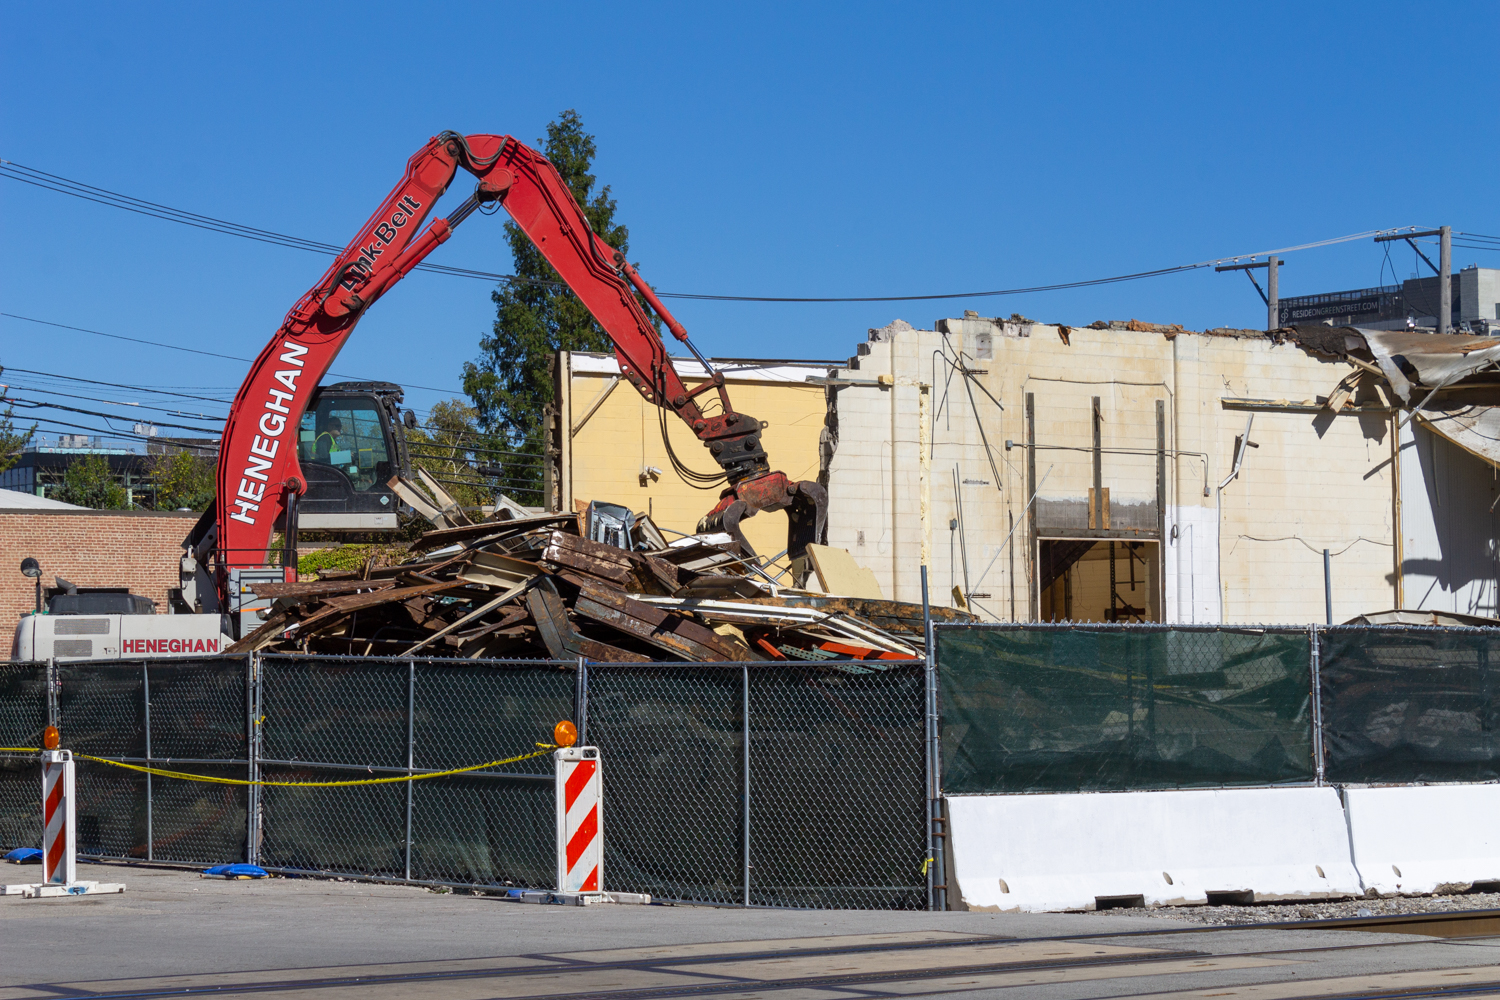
[1062,852]
[1414,839]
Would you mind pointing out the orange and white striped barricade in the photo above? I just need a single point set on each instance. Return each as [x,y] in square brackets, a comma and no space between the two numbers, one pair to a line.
[580,833]
[580,820]
[59,843]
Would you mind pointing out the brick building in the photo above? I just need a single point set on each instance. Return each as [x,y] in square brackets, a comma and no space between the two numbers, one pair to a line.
[91,548]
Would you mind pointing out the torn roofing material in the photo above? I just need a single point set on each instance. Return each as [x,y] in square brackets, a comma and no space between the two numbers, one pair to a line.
[1437,376]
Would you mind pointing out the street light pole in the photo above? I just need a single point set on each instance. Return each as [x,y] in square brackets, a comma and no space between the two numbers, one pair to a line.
[30,567]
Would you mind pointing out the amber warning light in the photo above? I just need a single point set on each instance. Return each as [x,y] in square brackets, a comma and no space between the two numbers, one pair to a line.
[51,738]
[565,734]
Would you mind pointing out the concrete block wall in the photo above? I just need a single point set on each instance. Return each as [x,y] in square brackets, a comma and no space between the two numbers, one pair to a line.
[91,548]
[1249,553]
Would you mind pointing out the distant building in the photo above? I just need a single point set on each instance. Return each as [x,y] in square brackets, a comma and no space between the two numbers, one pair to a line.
[1476,304]
[42,466]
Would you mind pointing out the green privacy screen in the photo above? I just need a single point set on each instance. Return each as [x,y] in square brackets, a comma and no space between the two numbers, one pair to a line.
[1084,708]
[1413,704]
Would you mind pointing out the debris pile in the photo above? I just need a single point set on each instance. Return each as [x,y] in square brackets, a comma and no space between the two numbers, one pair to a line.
[604,584]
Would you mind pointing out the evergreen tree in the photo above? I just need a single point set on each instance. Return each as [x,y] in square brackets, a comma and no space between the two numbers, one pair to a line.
[511,382]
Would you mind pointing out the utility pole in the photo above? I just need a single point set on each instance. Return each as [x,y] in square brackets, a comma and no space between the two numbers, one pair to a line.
[1271,294]
[1445,279]
[1444,268]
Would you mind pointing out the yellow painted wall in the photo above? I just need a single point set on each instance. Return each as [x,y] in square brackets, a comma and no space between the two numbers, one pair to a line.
[623,437]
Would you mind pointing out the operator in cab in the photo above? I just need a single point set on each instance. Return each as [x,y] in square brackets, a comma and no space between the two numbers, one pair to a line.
[327,441]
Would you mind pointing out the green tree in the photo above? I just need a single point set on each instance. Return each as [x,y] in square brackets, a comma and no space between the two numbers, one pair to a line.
[511,382]
[182,480]
[12,441]
[89,482]
[451,446]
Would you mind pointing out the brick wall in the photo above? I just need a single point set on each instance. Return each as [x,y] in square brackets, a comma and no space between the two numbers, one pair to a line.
[135,549]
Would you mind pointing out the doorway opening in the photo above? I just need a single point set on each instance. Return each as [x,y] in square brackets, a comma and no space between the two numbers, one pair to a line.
[1099,580]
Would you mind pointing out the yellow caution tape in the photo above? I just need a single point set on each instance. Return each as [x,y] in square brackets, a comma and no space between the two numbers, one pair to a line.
[20,749]
[546,748]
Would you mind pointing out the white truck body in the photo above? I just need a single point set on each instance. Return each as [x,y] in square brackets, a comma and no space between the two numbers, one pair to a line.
[113,637]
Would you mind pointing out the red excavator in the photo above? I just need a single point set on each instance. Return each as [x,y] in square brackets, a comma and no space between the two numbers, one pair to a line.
[286,445]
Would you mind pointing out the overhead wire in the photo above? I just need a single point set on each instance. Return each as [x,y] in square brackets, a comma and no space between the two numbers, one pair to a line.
[192,350]
[62,185]
[101,431]
[33,404]
[114,402]
[113,385]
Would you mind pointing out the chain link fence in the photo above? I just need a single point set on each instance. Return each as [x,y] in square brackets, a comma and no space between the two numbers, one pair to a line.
[1096,707]
[1410,704]
[764,784]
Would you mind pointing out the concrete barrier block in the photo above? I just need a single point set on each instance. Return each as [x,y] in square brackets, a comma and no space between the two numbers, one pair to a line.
[1081,851]
[1415,839]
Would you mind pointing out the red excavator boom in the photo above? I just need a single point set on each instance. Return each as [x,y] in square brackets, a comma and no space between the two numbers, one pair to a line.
[258,464]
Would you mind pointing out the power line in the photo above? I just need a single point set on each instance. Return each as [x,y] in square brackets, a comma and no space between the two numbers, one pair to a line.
[63,185]
[43,390]
[103,431]
[103,196]
[112,385]
[191,350]
[31,404]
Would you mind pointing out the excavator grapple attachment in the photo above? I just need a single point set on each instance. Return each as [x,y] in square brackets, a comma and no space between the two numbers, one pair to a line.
[805,503]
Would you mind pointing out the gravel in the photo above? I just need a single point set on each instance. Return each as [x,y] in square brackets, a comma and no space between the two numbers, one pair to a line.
[1265,913]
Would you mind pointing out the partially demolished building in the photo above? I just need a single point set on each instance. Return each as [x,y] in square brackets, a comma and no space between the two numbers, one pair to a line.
[1136,472]
[1123,471]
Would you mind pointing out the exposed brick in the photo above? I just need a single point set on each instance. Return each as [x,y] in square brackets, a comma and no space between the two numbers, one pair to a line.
[134,549]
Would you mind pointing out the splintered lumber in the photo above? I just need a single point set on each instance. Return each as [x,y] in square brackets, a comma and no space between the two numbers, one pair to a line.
[588,557]
[534,585]
[563,640]
[316,588]
[338,607]
[665,630]
[491,605]
[441,537]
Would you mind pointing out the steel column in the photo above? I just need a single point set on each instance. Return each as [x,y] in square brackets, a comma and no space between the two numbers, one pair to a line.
[937,868]
[411,717]
[581,701]
[1317,704]
[1033,598]
[146,707]
[53,683]
[253,668]
[745,765]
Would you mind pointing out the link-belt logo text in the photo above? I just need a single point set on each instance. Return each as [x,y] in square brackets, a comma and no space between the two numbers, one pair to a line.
[382,237]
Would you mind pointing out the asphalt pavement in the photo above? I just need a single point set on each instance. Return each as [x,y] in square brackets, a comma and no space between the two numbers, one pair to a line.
[175,934]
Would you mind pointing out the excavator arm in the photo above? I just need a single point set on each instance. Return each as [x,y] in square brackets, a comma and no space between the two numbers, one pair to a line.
[259,474]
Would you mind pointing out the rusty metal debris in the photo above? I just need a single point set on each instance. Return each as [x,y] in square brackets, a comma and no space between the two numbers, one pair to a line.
[603,584]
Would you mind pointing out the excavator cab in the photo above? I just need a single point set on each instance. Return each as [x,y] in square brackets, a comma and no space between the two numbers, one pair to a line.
[349,444]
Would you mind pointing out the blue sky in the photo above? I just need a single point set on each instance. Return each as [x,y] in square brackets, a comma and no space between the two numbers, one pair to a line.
[767,149]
